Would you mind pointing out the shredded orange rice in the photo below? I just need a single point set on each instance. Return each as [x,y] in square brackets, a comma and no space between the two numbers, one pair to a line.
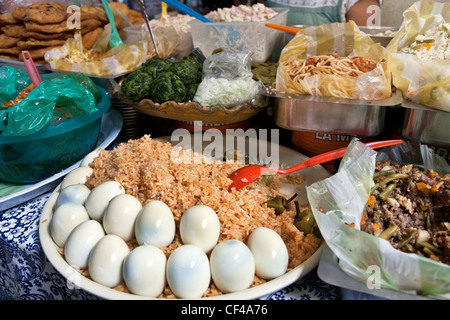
[146,170]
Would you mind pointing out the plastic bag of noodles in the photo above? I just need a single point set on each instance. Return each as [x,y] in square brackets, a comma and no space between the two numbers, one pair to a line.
[420,54]
[25,109]
[334,60]
[338,205]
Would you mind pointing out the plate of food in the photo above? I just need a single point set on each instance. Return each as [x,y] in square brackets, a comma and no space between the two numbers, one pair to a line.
[218,90]
[395,233]
[323,85]
[179,187]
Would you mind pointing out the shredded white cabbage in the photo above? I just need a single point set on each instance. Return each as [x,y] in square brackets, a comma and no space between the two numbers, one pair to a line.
[434,44]
[221,91]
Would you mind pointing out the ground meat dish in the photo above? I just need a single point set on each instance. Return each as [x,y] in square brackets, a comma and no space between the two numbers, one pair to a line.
[411,209]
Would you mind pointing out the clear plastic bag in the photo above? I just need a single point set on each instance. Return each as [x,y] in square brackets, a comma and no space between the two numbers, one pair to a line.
[101,60]
[228,80]
[58,97]
[426,82]
[337,209]
[334,39]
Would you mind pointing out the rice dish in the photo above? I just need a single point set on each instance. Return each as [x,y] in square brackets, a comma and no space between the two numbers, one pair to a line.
[144,167]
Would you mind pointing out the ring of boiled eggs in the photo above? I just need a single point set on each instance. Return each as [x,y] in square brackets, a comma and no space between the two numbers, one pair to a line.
[93,227]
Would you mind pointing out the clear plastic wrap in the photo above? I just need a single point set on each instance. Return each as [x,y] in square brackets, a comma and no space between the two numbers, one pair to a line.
[100,61]
[337,40]
[425,82]
[227,80]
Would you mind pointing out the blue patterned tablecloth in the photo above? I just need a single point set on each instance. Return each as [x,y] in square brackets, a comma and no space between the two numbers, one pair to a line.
[26,274]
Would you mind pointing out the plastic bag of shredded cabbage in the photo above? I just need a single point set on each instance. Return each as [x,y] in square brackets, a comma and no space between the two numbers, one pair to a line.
[420,55]
[227,80]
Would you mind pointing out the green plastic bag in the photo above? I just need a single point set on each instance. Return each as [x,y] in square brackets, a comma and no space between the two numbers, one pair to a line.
[11,82]
[58,97]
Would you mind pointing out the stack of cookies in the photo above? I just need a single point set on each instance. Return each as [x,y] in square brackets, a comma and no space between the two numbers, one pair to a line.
[45,25]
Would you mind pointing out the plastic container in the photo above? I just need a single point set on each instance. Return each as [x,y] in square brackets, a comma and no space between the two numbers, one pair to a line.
[240,36]
[35,157]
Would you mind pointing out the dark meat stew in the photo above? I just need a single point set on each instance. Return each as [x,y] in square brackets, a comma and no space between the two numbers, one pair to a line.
[410,208]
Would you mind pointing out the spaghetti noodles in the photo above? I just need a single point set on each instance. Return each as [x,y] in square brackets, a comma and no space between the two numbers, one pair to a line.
[335,76]
[343,66]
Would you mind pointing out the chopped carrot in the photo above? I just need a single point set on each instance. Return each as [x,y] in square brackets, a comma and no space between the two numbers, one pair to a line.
[432,173]
[371,201]
[435,188]
[363,218]
[376,227]
[427,45]
[424,208]
[421,186]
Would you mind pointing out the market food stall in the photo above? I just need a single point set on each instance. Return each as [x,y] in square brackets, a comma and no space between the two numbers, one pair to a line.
[118,186]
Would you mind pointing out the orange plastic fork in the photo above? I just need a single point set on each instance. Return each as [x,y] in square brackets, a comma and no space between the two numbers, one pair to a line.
[245,175]
[292,30]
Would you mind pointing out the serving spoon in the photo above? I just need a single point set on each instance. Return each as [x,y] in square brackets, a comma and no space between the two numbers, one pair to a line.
[245,175]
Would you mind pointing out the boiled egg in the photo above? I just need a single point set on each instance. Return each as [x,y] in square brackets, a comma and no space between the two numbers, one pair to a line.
[76,193]
[90,157]
[144,271]
[81,241]
[120,216]
[99,198]
[106,260]
[76,176]
[269,251]
[200,226]
[65,218]
[232,266]
[155,225]
[188,273]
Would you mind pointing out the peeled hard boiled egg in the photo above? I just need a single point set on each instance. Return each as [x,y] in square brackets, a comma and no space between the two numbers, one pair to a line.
[81,241]
[269,251]
[232,266]
[65,218]
[155,225]
[200,226]
[120,216]
[90,157]
[106,260]
[99,197]
[76,193]
[76,176]
[144,271]
[188,273]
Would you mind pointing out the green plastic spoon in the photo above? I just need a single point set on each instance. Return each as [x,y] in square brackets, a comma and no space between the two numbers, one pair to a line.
[114,39]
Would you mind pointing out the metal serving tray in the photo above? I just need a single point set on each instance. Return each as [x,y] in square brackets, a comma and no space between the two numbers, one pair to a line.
[379,34]
[330,114]
[424,124]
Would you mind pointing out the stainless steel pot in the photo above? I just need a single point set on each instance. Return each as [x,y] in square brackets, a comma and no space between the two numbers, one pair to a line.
[424,124]
[328,114]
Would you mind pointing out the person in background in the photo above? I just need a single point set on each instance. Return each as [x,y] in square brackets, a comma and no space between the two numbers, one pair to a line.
[317,12]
